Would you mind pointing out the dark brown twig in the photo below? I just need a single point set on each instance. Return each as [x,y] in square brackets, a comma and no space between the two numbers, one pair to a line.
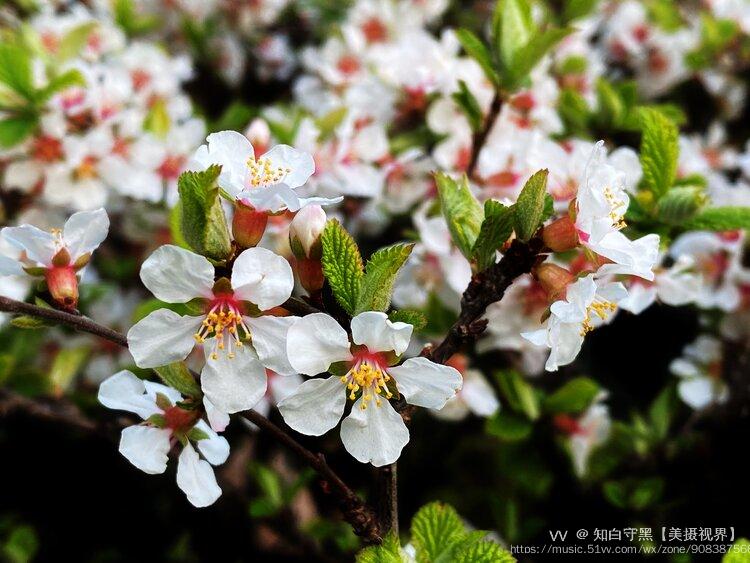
[480,136]
[485,288]
[387,498]
[299,307]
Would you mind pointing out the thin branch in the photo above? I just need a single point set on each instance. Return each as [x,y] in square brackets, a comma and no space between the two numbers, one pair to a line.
[299,307]
[485,288]
[480,137]
[356,512]
[78,322]
[52,411]
[387,497]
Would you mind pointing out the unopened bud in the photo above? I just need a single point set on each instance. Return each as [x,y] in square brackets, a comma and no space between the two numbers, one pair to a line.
[560,235]
[305,230]
[248,225]
[554,280]
[63,285]
[310,272]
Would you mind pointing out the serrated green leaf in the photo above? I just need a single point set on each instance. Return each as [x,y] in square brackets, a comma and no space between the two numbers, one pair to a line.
[573,397]
[494,232]
[178,377]
[409,316]
[469,105]
[342,265]
[65,367]
[528,211]
[478,51]
[14,130]
[15,70]
[387,552]
[659,151]
[204,226]
[436,529]
[531,54]
[380,274]
[462,212]
[482,552]
[720,219]
[74,40]
[680,204]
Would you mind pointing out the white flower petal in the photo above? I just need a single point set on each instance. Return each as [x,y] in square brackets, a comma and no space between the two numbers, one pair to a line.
[425,383]
[215,448]
[124,391]
[478,394]
[236,384]
[269,335]
[161,338]
[697,392]
[39,245]
[301,164]
[374,330]
[10,267]
[315,407]
[316,341]
[85,231]
[196,478]
[146,447]
[176,275]
[262,277]
[374,435]
[153,388]
[217,419]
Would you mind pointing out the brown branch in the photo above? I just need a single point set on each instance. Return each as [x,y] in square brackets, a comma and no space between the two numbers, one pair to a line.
[78,322]
[356,512]
[480,136]
[299,307]
[52,411]
[387,497]
[485,288]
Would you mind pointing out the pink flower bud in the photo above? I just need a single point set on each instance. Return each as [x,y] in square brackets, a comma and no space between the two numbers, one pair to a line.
[561,235]
[63,285]
[310,273]
[554,280]
[248,225]
[305,230]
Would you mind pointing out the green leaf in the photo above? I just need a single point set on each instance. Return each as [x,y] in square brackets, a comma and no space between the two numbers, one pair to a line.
[720,219]
[573,397]
[738,553]
[234,118]
[130,21]
[659,151]
[530,55]
[575,9]
[520,396]
[388,552]
[178,377]
[509,426]
[662,411]
[462,212]
[26,321]
[482,552]
[157,120]
[436,529]
[21,545]
[65,367]
[15,70]
[196,434]
[204,226]
[409,316]
[380,275]
[514,28]
[328,123]
[469,105]
[680,204]
[528,210]
[342,264]
[14,130]
[75,40]
[574,111]
[59,83]
[494,232]
[478,51]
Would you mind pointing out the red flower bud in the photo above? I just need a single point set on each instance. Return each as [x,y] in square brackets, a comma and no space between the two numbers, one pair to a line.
[63,285]
[554,280]
[248,225]
[560,235]
[310,272]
